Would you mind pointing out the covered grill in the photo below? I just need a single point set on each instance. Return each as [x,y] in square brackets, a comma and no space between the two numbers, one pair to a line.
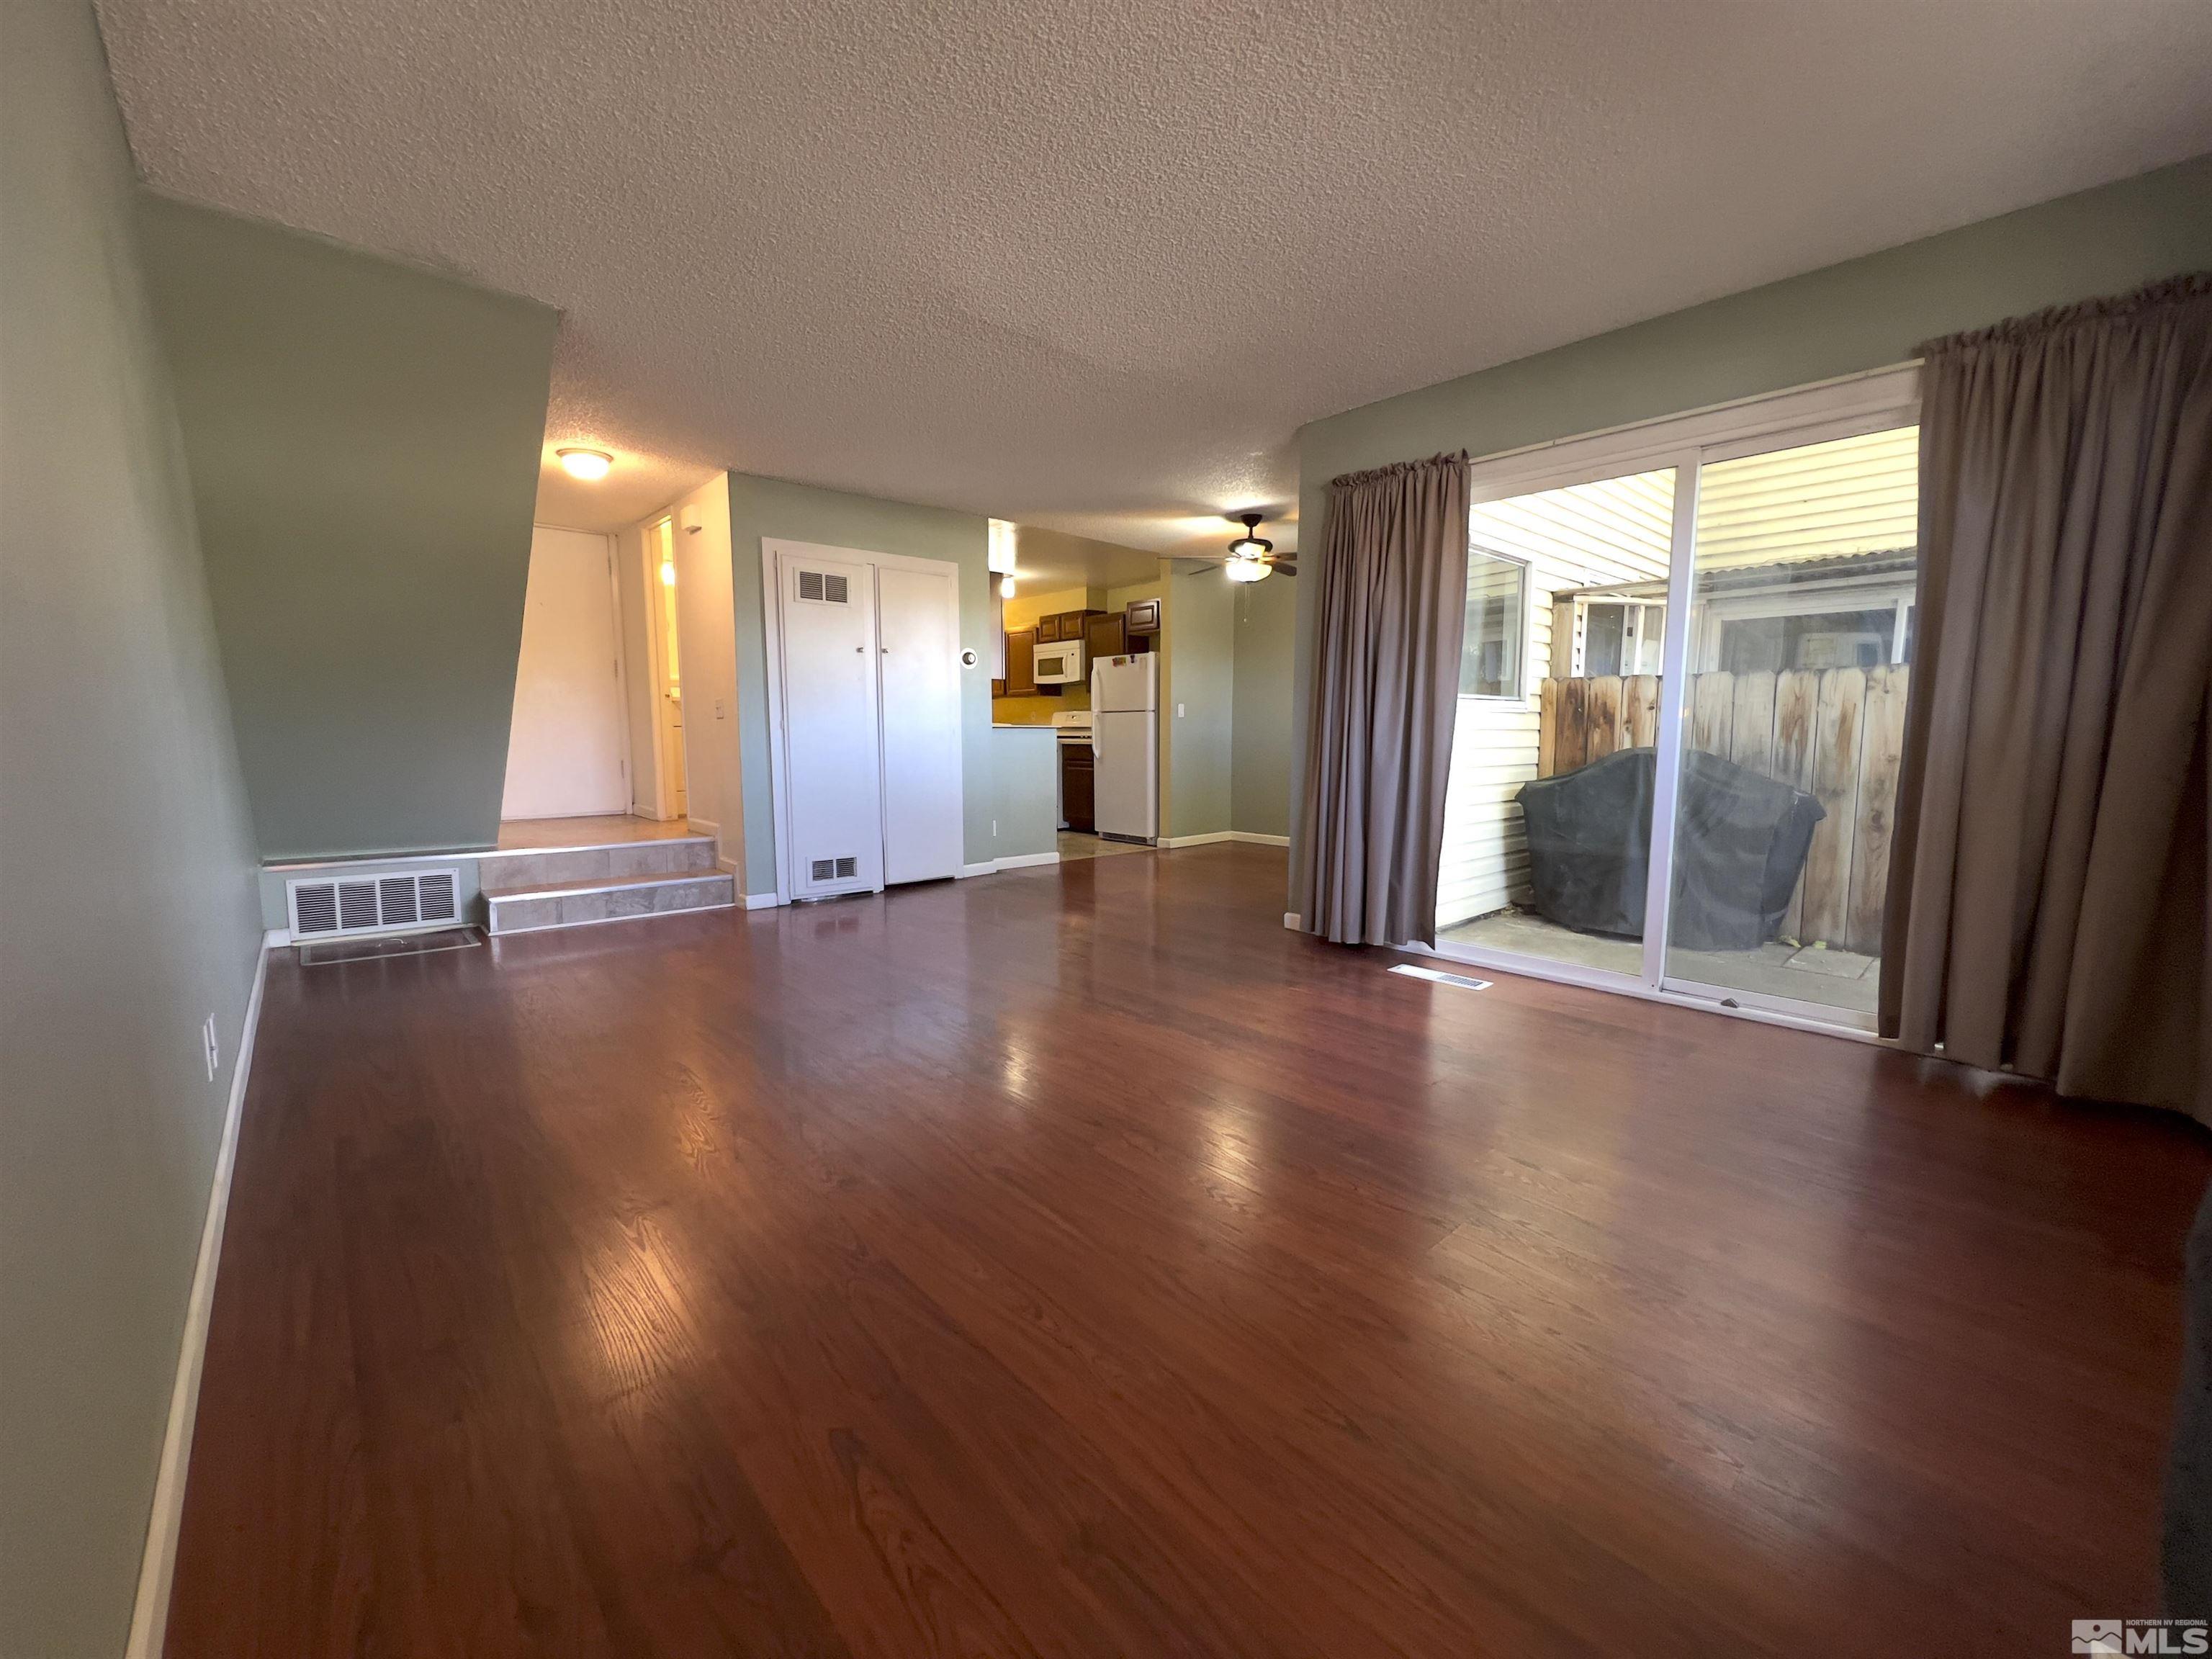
[1738,852]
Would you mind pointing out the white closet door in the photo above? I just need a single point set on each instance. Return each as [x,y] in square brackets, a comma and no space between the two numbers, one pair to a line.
[569,737]
[835,818]
[919,618]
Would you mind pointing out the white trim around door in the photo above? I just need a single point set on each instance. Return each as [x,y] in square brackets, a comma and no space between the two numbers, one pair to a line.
[1876,401]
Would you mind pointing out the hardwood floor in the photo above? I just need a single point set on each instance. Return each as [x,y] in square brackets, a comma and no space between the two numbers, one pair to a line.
[1074,1261]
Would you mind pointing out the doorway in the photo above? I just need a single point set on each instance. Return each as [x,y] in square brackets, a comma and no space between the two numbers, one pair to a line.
[663,647]
[1681,704]
[568,746]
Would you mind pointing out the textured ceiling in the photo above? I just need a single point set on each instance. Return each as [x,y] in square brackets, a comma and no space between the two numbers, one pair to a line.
[1090,265]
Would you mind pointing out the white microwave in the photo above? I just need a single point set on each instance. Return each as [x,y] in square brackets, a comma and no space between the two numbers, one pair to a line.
[1060,663]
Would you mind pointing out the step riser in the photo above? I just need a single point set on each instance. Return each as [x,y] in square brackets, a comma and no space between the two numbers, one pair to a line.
[531,916]
[644,858]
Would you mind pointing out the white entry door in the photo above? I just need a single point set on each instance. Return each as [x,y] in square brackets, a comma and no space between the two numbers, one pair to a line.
[566,750]
[834,822]
[919,650]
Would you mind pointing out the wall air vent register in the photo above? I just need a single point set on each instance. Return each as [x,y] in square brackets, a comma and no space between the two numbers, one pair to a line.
[324,907]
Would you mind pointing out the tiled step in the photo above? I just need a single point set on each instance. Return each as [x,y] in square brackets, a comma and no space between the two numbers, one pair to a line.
[576,866]
[529,907]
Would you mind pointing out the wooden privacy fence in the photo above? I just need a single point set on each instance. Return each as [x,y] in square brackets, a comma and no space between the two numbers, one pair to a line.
[1836,733]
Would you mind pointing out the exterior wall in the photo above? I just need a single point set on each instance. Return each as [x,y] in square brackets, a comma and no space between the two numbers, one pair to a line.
[1852,496]
[363,438]
[1585,536]
[128,913]
[1860,315]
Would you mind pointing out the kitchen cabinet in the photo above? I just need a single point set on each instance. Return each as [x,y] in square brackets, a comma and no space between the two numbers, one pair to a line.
[1021,662]
[1078,798]
[1143,618]
[1106,635]
[1065,626]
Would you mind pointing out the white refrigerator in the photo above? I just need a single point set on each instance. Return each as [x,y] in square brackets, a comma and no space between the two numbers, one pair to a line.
[1125,741]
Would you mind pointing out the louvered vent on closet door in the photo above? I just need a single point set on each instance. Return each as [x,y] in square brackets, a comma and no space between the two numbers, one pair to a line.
[824,588]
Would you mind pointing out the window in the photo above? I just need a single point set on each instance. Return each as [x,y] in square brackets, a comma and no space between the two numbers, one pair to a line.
[1496,623]
[1623,637]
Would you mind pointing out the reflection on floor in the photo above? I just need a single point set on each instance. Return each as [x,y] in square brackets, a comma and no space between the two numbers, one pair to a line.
[1093,1265]
[1837,979]
[605,830]
[1076,844]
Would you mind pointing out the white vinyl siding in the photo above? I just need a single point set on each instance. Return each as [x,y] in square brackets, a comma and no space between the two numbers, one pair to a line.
[1584,536]
[1850,495]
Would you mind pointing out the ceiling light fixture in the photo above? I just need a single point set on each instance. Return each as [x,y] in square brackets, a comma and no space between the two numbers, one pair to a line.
[589,465]
[1250,554]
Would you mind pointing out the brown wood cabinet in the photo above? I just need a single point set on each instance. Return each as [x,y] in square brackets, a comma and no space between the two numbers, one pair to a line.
[1078,798]
[1106,635]
[1021,662]
[1063,627]
[1143,616]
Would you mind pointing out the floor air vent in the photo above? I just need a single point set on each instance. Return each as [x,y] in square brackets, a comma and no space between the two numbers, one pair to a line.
[328,908]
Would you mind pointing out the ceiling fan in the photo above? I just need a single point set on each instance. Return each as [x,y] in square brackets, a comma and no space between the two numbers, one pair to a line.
[1252,557]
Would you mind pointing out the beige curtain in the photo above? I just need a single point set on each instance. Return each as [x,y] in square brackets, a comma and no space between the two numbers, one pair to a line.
[1391,610]
[2047,899]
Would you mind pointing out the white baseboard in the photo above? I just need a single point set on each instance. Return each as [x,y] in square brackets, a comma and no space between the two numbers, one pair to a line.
[762,901]
[150,1614]
[1255,839]
[277,938]
[1024,861]
[1294,921]
[1212,837]
[989,867]
[704,826]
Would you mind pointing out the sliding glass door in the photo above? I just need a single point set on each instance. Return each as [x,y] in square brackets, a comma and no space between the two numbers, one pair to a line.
[1681,704]
[1793,720]
[1555,682]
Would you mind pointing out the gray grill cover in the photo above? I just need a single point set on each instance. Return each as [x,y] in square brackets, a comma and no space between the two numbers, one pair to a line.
[1739,848]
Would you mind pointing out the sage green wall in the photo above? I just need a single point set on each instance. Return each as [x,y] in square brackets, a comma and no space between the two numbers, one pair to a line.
[1267,633]
[127,910]
[1202,667]
[1025,776]
[1863,314]
[363,439]
[780,510]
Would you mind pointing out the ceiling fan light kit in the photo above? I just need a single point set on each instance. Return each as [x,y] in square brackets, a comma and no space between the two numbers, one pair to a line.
[1252,556]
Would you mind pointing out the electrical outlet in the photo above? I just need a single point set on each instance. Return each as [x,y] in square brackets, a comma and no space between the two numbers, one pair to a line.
[717,708]
[1181,710]
[209,1050]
